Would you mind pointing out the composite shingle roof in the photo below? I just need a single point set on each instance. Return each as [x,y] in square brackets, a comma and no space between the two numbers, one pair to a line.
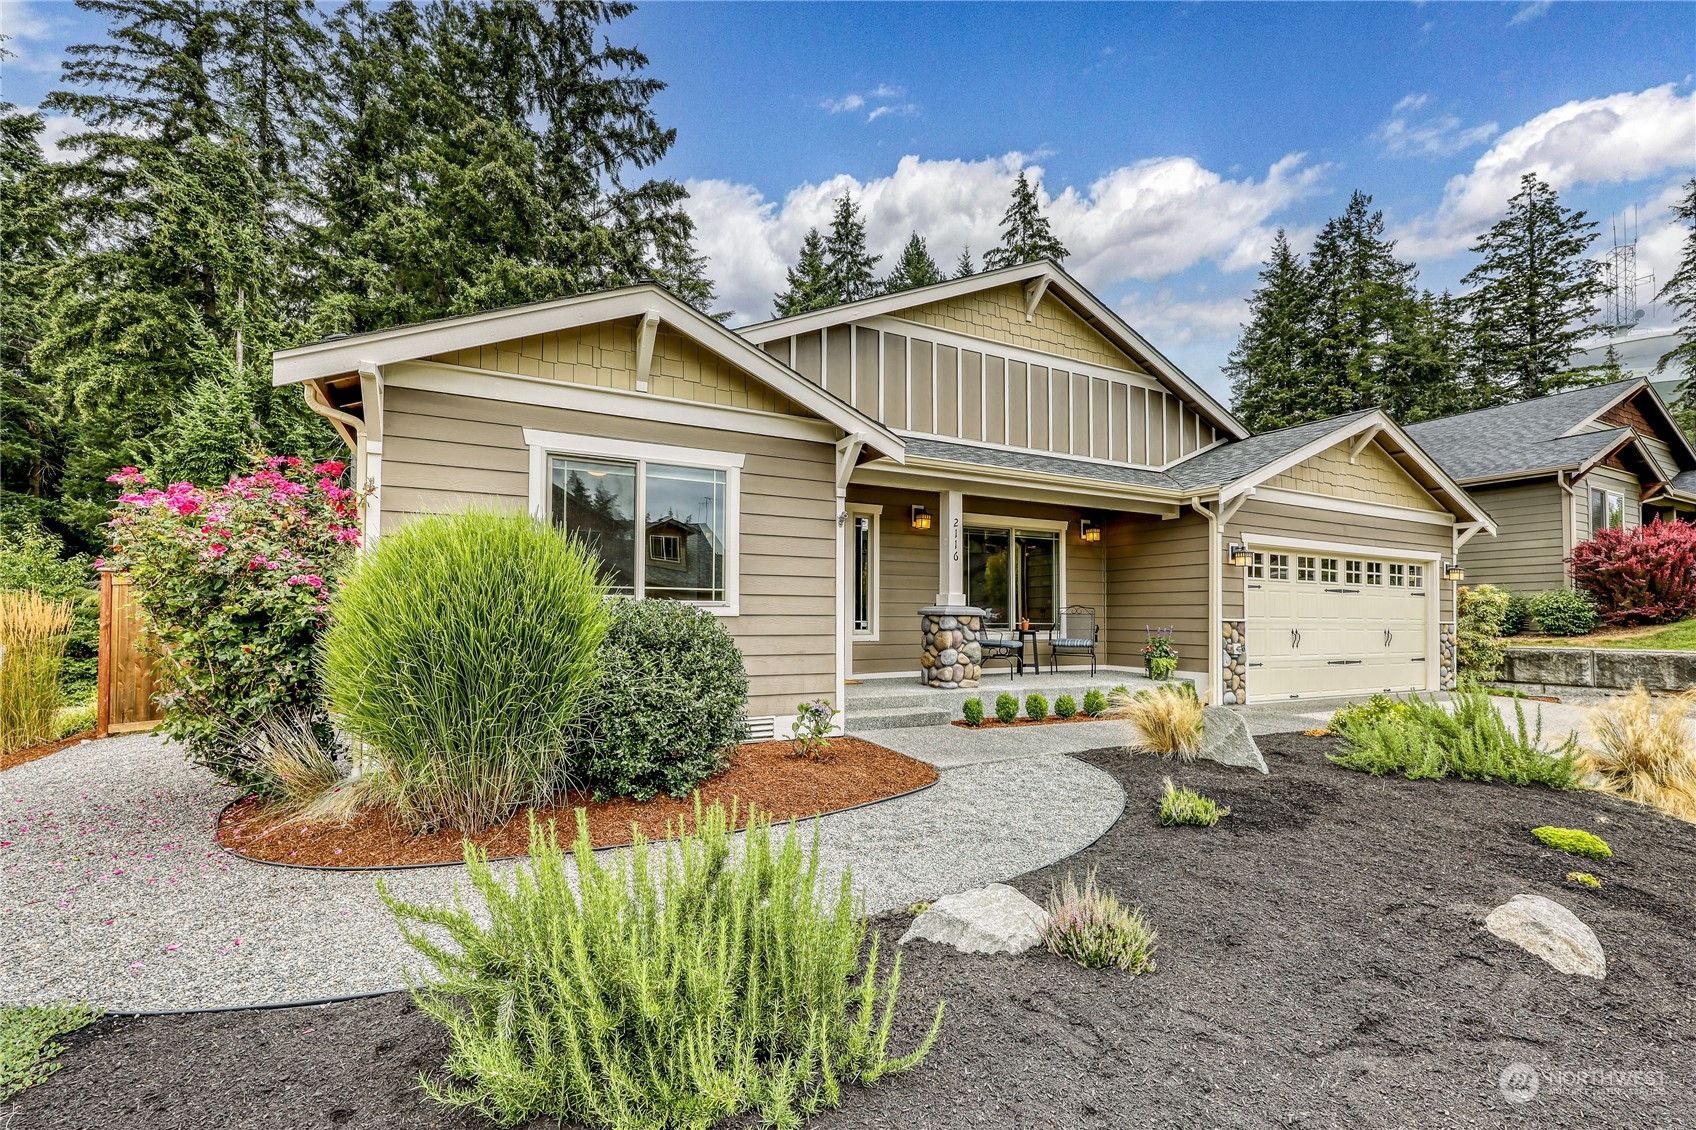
[1011,460]
[1219,466]
[1521,438]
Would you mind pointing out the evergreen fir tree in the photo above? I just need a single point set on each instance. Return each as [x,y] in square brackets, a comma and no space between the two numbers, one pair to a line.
[1267,365]
[1679,292]
[914,268]
[963,265]
[848,264]
[1533,294]
[809,281]
[1025,234]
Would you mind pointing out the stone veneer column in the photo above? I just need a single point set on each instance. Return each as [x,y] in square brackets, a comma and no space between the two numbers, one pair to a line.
[1447,678]
[953,655]
[1233,662]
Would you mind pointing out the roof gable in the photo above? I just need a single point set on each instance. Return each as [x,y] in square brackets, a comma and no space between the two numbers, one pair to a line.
[999,314]
[1341,471]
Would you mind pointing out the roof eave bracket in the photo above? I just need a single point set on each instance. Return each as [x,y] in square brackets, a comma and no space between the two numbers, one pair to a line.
[1034,290]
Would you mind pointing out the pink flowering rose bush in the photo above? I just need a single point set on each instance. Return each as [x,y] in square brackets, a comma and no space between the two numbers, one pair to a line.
[234,584]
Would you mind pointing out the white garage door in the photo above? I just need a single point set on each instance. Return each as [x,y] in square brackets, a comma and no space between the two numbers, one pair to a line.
[1322,625]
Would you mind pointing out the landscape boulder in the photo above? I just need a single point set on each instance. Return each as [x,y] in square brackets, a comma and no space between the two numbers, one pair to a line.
[992,919]
[1225,739]
[1546,928]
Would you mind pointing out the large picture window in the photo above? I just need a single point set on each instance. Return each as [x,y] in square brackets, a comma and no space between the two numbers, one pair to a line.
[1014,574]
[662,520]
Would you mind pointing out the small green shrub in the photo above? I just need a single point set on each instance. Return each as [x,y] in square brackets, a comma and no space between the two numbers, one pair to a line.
[972,711]
[1361,715]
[657,988]
[1162,667]
[1574,841]
[28,1042]
[672,697]
[1065,706]
[461,652]
[1516,614]
[1479,630]
[1563,612]
[1036,707]
[1120,689]
[1584,879]
[1474,743]
[75,720]
[1186,806]
[1095,703]
[1006,707]
[1090,927]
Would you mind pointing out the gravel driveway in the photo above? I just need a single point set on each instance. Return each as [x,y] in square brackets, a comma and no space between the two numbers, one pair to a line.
[112,890]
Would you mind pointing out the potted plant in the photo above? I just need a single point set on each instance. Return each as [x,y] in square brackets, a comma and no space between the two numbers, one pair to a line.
[1160,654]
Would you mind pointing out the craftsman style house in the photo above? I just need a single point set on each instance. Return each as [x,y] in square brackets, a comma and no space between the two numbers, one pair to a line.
[894,488]
[1554,470]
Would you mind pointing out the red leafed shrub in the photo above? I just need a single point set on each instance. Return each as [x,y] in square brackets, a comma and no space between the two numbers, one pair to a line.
[1641,576]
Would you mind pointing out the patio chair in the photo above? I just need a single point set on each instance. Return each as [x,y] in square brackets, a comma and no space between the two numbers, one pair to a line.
[1075,633]
[1012,651]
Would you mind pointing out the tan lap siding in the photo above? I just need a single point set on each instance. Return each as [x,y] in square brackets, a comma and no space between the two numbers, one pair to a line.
[1274,520]
[1527,553]
[1156,577]
[445,452]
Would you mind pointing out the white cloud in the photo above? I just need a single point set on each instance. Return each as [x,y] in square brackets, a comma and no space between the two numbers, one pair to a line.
[899,110]
[885,100]
[1529,12]
[1144,221]
[844,104]
[1616,139]
[1171,321]
[29,32]
[1406,134]
[1660,246]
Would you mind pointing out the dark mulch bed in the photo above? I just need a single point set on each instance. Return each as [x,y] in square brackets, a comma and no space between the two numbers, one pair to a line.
[1322,965]
[36,752]
[766,775]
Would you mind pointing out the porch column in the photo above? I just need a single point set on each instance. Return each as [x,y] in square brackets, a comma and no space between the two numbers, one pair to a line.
[951,551]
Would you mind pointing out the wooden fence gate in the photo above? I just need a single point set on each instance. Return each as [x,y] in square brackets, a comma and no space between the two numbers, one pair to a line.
[126,684]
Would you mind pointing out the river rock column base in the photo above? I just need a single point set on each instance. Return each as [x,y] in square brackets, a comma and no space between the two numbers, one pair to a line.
[1233,662]
[1447,678]
[953,651]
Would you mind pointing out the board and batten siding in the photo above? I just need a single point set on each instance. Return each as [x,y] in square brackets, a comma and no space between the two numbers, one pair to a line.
[1273,520]
[981,388]
[1156,577]
[1528,552]
[445,452]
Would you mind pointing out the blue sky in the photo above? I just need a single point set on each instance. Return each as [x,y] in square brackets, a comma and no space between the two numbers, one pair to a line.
[1171,139]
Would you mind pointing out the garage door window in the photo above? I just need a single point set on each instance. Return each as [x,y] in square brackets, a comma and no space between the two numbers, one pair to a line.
[1374,572]
[1278,566]
[1398,575]
[1328,570]
[1257,567]
[1351,573]
[1416,576]
[1306,568]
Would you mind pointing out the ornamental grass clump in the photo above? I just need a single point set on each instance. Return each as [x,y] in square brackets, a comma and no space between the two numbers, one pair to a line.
[1089,926]
[1643,751]
[1574,841]
[1473,743]
[303,774]
[461,652]
[656,989]
[33,635]
[1166,720]
[1188,807]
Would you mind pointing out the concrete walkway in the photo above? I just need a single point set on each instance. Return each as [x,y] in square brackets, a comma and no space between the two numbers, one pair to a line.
[113,891]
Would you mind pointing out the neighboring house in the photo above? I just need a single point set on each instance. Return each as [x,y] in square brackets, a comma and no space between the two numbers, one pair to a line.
[1002,441]
[1554,470]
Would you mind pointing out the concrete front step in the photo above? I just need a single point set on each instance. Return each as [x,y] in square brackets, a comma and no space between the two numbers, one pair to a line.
[905,718]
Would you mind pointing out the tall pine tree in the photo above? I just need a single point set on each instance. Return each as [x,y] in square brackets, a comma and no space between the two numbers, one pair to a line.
[809,281]
[848,264]
[1533,294]
[963,267]
[1680,293]
[914,268]
[1025,233]
[1267,367]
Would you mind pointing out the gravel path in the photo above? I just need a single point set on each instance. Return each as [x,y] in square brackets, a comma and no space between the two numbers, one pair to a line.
[112,891]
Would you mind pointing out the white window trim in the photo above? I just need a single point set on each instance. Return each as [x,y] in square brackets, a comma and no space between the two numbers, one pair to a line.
[544,444]
[874,511]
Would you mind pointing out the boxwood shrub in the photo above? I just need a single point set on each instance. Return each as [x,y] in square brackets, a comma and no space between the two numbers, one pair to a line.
[972,711]
[1036,707]
[1065,706]
[1562,612]
[1006,707]
[1095,703]
[672,700]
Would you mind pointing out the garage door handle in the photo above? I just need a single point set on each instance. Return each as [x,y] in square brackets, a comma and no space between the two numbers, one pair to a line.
[1388,637]
[1341,662]
[1342,590]
[1295,637]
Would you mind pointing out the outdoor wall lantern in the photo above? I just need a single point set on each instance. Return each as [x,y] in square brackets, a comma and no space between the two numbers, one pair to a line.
[921,518]
[1088,530]
[1240,556]
[1453,572]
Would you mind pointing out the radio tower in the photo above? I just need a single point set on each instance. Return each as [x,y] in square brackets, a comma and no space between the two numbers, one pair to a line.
[1620,279]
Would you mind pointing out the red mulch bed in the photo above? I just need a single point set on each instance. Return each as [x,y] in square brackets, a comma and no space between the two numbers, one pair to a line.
[767,775]
[36,753]
[990,723]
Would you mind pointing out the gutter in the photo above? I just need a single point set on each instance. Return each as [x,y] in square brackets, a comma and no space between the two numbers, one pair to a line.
[348,426]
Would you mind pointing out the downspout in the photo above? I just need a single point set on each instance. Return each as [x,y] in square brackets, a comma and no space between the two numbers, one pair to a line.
[1569,520]
[1215,582]
[352,430]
